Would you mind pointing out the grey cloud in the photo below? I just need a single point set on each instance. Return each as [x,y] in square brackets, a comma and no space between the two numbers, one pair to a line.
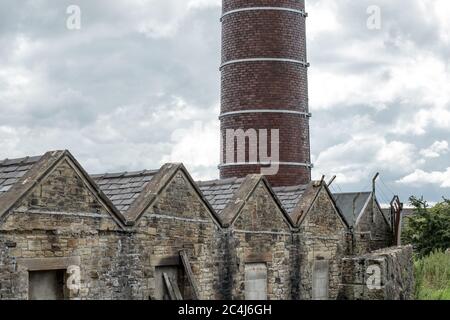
[116,90]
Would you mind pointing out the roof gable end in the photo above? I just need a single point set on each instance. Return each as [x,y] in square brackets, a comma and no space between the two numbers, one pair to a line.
[40,170]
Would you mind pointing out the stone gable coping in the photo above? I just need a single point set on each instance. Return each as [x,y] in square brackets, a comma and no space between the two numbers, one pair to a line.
[371,198]
[306,201]
[110,207]
[333,201]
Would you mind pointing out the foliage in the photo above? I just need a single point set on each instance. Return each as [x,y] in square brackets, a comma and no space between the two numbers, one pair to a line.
[432,275]
[428,229]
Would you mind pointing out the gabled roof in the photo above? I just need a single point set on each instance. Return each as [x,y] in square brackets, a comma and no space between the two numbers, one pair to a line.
[125,187]
[220,192]
[298,201]
[134,192]
[30,171]
[230,196]
[352,205]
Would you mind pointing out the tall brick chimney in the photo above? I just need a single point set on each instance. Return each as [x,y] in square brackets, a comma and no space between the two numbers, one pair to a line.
[265,86]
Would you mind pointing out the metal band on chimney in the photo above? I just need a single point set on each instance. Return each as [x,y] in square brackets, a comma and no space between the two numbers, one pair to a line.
[300,12]
[294,164]
[300,62]
[232,113]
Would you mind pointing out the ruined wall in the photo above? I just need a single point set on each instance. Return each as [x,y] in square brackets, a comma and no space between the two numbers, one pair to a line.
[386,274]
[261,234]
[372,231]
[322,236]
[47,229]
[178,220]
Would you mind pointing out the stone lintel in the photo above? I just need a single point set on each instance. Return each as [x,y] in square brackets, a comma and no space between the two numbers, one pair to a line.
[40,264]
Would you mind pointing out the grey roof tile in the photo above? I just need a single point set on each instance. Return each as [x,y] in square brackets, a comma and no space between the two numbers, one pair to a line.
[125,187]
[290,196]
[219,192]
[11,170]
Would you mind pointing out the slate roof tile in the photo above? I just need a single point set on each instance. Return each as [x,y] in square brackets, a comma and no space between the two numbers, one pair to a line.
[289,196]
[11,170]
[219,192]
[125,187]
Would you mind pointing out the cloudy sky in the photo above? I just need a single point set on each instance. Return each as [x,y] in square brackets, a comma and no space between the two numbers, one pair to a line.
[138,86]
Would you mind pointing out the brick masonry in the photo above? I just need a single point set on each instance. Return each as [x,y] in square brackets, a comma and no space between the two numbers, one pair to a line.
[266,85]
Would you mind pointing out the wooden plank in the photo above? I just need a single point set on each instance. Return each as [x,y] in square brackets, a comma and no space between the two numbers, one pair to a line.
[176,290]
[190,275]
[172,288]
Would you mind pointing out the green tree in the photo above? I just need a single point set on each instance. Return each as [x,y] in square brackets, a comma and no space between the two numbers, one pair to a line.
[428,229]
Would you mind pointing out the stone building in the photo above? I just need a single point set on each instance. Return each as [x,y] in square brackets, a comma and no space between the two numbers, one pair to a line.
[158,234]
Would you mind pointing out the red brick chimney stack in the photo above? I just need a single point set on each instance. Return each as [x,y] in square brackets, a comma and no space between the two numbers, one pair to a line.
[264,84]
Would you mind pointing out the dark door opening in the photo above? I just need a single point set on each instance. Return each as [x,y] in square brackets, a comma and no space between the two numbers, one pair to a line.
[46,285]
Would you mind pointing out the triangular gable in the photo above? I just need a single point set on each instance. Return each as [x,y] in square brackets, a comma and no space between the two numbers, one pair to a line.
[308,199]
[366,205]
[336,208]
[353,205]
[40,171]
[231,213]
[156,186]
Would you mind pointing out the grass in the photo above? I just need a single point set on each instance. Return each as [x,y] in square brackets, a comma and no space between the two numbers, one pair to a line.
[433,277]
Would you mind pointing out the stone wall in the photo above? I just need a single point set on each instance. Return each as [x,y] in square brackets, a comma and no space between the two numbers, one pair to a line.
[372,231]
[48,231]
[322,236]
[179,220]
[261,236]
[386,274]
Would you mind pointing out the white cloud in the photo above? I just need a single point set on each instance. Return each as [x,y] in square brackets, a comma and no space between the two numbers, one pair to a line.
[441,10]
[420,178]
[437,149]
[323,18]
[197,147]
[359,158]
